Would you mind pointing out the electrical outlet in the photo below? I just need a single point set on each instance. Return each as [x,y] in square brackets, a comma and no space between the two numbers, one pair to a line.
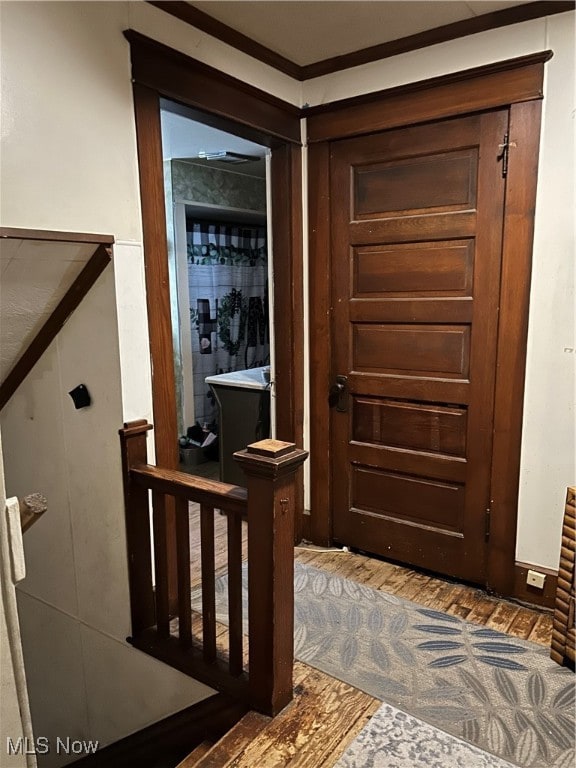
[535,579]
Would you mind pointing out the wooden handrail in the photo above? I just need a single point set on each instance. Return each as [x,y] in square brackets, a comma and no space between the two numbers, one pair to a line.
[198,489]
[193,647]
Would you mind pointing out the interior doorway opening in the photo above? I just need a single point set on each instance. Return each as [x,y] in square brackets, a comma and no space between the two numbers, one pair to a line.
[220,269]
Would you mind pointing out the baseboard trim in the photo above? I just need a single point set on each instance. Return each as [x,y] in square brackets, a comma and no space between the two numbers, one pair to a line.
[543,598]
[171,739]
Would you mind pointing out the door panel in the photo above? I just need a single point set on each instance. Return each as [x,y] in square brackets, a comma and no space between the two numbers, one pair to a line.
[418,427]
[420,350]
[443,180]
[415,270]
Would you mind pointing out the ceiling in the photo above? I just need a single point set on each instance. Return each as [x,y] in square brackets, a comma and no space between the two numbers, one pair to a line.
[308,32]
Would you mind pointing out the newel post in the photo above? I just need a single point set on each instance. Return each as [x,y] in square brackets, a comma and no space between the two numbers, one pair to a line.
[270,467]
[134,453]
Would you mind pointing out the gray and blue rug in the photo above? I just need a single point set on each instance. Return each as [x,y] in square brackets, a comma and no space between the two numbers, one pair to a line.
[394,739]
[503,695]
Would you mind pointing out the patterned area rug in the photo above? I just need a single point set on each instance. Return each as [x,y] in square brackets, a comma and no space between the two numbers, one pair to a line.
[501,694]
[393,739]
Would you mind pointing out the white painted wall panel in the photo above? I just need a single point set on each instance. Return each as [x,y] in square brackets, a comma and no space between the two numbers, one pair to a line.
[548,454]
[88,352]
[68,135]
[35,461]
[54,664]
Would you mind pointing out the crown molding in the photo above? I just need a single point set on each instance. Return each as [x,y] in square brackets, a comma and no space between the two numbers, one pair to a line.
[226,34]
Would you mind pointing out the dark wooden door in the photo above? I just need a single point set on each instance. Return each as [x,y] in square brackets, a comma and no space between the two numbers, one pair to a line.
[416,236]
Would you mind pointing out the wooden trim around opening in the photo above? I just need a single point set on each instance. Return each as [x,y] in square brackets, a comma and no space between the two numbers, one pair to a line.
[182,78]
[422,106]
[286,226]
[524,132]
[289,304]
[158,300]
[494,20]
[320,341]
[480,88]
[69,302]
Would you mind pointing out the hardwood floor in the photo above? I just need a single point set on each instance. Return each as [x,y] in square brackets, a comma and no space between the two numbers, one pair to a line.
[467,602]
[326,714]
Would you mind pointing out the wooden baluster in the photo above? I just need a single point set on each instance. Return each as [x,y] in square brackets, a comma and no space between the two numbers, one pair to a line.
[183,570]
[133,446]
[235,593]
[270,467]
[161,563]
[208,583]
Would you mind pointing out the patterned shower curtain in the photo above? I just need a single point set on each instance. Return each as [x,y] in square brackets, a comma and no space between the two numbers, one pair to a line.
[228,288]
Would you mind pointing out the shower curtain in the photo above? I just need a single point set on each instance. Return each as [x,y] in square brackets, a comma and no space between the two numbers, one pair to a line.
[228,288]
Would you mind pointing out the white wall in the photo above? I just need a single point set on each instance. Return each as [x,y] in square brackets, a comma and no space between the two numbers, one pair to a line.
[548,445]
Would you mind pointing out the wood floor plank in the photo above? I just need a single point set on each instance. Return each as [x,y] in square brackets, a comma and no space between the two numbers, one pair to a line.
[306,732]
[542,630]
[224,753]
[482,611]
[446,597]
[338,749]
[523,623]
[503,616]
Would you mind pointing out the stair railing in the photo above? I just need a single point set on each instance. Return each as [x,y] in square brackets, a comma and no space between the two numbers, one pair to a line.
[191,641]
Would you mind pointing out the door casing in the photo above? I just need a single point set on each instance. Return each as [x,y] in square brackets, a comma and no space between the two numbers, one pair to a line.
[235,107]
[516,84]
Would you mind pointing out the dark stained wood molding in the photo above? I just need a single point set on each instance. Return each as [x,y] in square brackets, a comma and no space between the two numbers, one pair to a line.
[173,74]
[172,739]
[148,131]
[504,65]
[480,88]
[514,302]
[69,302]
[319,523]
[224,33]
[494,20]
[524,131]
[51,235]
[289,303]
[158,302]
[443,34]
[226,98]
[544,598]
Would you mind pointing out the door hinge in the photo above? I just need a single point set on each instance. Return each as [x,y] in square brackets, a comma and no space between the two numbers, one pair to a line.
[505,147]
[487,523]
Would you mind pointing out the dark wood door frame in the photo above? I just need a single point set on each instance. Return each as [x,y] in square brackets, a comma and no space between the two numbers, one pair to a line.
[231,105]
[516,84]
